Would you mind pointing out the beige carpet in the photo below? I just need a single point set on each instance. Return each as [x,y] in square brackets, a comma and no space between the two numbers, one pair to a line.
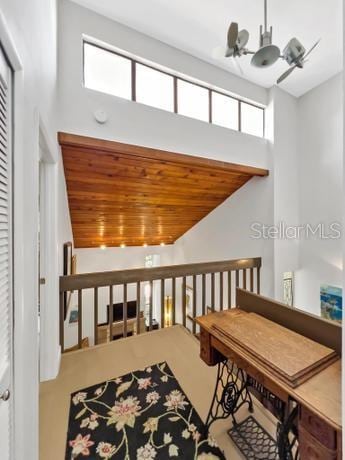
[84,368]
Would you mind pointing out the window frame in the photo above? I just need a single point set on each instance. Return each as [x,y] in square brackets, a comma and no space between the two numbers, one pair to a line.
[103,48]
[134,82]
[135,61]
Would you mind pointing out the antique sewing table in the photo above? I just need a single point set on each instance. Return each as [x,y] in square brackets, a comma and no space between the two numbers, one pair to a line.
[307,404]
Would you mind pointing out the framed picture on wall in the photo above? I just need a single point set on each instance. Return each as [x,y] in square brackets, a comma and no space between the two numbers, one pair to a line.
[67,258]
[331,299]
[73,316]
[67,270]
[288,288]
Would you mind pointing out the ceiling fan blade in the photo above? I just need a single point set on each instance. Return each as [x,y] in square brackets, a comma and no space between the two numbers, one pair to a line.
[237,65]
[242,39]
[311,49]
[232,35]
[286,74]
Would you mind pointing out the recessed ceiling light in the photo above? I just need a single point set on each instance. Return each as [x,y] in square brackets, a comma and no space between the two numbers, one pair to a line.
[103,246]
[122,245]
[145,245]
[162,244]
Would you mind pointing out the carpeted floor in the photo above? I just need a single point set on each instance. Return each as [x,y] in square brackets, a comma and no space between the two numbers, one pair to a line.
[143,415]
[89,367]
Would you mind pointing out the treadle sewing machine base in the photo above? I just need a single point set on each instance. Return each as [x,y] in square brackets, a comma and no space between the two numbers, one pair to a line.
[253,441]
[307,405]
[232,391]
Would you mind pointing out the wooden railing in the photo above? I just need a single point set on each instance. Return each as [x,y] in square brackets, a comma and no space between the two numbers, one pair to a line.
[210,285]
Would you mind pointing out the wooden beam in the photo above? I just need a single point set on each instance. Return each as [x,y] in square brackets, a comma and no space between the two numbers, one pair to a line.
[102,145]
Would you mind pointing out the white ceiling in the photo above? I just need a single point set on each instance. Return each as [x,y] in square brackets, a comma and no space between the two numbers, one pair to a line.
[199,26]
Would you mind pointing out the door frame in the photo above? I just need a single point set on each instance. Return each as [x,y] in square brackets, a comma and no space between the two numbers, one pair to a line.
[49,330]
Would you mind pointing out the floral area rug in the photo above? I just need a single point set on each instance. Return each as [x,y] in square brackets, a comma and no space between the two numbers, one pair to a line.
[143,415]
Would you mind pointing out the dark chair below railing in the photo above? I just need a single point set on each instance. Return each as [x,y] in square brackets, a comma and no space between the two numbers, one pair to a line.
[178,293]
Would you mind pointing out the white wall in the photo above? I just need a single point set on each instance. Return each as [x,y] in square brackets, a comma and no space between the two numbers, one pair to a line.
[32,27]
[305,187]
[136,123]
[64,230]
[226,232]
[94,260]
[320,175]
[282,127]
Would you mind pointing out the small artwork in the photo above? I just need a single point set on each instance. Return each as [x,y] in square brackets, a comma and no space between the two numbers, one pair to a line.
[67,270]
[189,300]
[331,298]
[67,258]
[73,316]
[288,288]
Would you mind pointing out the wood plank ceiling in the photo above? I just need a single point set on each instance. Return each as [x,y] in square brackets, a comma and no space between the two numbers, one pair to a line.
[126,195]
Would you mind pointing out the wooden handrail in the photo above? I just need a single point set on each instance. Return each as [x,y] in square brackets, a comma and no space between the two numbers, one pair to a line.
[117,277]
[221,288]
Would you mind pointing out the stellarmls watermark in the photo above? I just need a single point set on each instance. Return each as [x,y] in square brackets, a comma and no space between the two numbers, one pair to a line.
[283,231]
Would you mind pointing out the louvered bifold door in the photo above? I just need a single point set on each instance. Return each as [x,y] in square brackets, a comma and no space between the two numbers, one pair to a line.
[5,257]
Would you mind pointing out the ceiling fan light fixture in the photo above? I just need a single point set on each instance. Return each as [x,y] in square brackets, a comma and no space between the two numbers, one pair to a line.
[294,54]
[266,56]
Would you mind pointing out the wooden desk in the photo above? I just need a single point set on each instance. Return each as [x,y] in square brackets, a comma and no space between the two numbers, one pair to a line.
[317,400]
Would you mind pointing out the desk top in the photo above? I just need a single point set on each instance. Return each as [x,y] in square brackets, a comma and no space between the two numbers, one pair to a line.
[321,393]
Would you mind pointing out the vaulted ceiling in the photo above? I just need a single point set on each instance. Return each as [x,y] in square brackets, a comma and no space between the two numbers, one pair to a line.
[199,26]
[122,194]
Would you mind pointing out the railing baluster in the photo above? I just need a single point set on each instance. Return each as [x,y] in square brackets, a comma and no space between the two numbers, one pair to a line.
[258,280]
[221,290]
[248,279]
[125,310]
[150,305]
[194,303]
[62,320]
[95,311]
[173,313]
[252,280]
[111,312]
[203,293]
[212,291]
[80,318]
[184,306]
[162,303]
[229,290]
[138,307]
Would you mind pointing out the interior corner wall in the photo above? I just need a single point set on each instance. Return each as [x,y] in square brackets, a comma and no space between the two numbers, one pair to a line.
[283,131]
[65,233]
[320,176]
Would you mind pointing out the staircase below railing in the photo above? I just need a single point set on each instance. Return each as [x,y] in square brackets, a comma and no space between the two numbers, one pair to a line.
[174,294]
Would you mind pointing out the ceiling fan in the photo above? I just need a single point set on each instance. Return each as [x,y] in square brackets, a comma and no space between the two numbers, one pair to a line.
[294,53]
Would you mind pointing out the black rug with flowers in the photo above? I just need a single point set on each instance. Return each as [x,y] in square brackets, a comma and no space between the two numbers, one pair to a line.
[143,415]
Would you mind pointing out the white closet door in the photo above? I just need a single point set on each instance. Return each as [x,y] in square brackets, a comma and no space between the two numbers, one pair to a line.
[6,306]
